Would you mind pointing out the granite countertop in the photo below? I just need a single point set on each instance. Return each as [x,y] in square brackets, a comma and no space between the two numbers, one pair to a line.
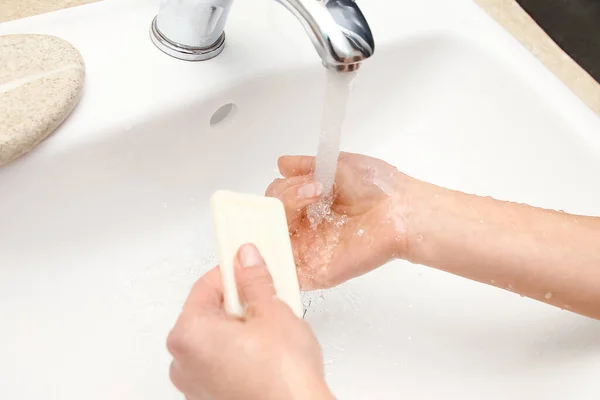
[516,21]
[507,12]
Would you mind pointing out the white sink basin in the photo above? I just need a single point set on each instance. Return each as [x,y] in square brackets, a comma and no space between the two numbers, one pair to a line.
[105,226]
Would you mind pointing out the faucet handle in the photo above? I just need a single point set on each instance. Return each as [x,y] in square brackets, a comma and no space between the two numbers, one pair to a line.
[193,30]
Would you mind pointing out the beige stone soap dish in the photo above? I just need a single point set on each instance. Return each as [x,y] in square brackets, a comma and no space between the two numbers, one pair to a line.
[41,78]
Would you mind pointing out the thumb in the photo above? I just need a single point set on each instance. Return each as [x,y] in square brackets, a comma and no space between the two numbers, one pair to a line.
[296,194]
[254,282]
[295,199]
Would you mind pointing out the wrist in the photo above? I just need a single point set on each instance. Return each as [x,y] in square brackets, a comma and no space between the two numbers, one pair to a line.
[437,221]
[411,206]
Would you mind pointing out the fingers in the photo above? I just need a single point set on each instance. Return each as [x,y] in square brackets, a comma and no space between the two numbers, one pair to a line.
[254,282]
[206,294]
[188,386]
[290,166]
[278,186]
[296,194]
[296,198]
[204,302]
[177,378]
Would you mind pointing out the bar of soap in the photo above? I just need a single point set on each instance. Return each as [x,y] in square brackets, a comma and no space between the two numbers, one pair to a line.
[243,218]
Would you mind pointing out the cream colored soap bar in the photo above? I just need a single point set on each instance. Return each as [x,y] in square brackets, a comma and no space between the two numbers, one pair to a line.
[242,218]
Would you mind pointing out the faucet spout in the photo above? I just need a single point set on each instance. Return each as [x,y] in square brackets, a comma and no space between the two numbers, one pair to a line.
[193,30]
[337,29]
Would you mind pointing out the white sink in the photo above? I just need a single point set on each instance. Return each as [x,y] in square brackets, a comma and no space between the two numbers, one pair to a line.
[105,226]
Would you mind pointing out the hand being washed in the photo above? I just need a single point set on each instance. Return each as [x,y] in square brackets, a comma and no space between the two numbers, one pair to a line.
[379,214]
[365,229]
[269,355]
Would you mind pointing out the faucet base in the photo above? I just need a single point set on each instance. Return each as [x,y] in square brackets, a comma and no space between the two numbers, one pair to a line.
[183,52]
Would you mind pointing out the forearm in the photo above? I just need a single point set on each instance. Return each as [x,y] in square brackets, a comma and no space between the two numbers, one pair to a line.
[546,255]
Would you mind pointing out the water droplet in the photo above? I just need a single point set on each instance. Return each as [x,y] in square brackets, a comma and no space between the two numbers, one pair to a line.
[548,296]
[360,232]
[510,287]
[493,282]
[420,237]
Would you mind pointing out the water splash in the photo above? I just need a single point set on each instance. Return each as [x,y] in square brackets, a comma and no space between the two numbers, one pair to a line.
[311,300]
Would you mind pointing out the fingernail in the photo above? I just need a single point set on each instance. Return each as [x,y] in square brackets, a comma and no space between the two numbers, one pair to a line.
[249,256]
[311,190]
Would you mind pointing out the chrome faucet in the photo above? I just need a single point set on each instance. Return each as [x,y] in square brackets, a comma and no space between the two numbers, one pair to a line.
[194,30]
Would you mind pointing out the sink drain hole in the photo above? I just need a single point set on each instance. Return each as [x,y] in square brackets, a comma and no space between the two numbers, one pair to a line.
[223,113]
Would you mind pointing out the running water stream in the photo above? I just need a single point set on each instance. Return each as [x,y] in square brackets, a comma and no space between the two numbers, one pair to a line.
[339,86]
